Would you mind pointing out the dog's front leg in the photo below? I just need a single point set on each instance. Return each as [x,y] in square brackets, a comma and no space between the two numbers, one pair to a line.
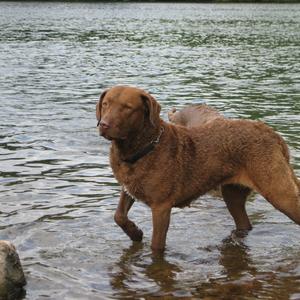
[161,219]
[122,220]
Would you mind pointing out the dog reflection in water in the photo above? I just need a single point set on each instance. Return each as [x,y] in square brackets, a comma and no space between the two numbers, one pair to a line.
[153,273]
[140,274]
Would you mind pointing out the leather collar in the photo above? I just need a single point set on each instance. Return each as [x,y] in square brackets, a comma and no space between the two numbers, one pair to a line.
[147,149]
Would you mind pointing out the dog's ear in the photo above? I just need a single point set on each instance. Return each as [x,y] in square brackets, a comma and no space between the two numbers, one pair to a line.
[99,105]
[152,108]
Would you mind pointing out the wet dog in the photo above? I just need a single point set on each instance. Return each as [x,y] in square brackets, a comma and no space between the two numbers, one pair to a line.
[167,165]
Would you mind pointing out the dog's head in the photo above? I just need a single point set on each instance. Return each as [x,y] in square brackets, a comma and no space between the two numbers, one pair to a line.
[123,111]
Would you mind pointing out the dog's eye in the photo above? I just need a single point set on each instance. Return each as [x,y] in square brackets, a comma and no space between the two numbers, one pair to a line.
[104,104]
[127,107]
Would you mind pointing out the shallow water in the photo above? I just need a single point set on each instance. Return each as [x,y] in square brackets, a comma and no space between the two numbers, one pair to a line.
[57,192]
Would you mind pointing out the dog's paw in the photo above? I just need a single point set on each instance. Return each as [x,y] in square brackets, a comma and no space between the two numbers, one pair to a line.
[136,235]
[239,233]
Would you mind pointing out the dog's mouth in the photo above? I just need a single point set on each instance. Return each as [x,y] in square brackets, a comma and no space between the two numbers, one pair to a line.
[109,136]
[106,136]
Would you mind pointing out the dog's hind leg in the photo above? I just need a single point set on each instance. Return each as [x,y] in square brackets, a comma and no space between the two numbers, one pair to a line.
[235,197]
[279,185]
[122,220]
[286,199]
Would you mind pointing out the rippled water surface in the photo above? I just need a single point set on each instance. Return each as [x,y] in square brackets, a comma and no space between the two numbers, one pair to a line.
[57,192]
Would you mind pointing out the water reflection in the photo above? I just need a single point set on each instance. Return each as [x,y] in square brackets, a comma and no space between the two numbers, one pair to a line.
[137,273]
[238,278]
[243,280]
[235,257]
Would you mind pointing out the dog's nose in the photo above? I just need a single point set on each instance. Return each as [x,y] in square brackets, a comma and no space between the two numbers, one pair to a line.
[104,125]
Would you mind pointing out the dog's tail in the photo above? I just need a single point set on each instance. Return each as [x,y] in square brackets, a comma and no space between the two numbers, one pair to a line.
[171,115]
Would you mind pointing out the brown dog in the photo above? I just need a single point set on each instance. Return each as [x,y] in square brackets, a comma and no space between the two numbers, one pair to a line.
[166,165]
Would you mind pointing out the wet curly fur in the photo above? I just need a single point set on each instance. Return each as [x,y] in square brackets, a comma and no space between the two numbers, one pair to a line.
[190,160]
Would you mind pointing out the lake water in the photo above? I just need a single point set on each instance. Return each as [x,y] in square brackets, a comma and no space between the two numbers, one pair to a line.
[57,192]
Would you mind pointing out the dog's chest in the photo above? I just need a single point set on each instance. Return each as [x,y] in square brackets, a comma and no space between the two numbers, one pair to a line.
[134,188]
[129,191]
[131,179]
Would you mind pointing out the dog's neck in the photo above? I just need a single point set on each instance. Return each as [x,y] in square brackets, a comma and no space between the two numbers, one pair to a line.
[133,147]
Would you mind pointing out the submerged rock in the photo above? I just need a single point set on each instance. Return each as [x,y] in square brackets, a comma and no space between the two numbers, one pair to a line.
[12,279]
